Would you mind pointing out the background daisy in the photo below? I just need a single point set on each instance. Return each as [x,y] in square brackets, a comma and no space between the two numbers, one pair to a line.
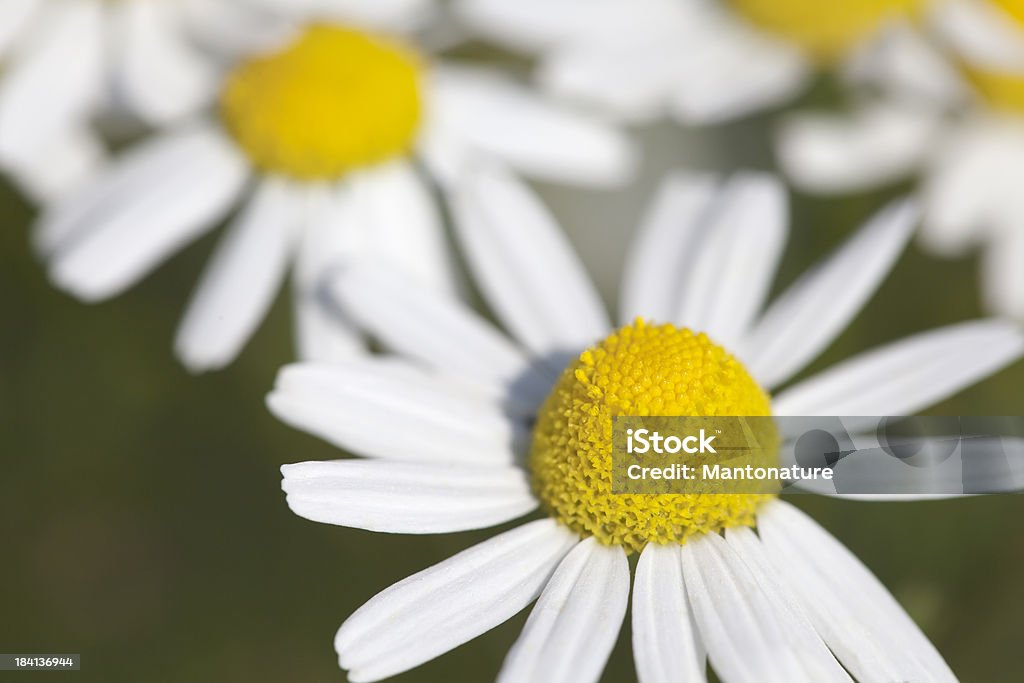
[955,113]
[66,62]
[704,61]
[330,141]
[762,606]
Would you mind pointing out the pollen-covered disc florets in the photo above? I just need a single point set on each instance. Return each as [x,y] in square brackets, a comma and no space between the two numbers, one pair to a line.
[333,100]
[640,370]
[825,29]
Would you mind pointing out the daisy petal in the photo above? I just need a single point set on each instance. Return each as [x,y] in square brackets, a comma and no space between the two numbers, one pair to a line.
[972,177]
[877,145]
[532,25]
[805,319]
[574,625]
[1002,275]
[242,279]
[751,633]
[162,77]
[904,62]
[356,406]
[324,334]
[62,168]
[857,617]
[421,324]
[524,265]
[982,33]
[399,221]
[542,140]
[453,602]
[906,376]
[663,248]
[153,202]
[14,16]
[735,264]
[407,498]
[666,646]
[738,73]
[383,15]
[53,81]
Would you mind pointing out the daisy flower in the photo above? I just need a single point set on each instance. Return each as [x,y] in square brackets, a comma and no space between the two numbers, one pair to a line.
[966,138]
[704,61]
[64,62]
[330,142]
[447,418]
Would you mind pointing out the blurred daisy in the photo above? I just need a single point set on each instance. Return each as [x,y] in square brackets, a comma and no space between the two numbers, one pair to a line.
[704,61]
[318,139]
[966,137]
[447,418]
[66,61]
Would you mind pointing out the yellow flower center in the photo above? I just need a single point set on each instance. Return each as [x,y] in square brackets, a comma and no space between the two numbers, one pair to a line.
[825,28]
[333,100]
[1001,89]
[640,370]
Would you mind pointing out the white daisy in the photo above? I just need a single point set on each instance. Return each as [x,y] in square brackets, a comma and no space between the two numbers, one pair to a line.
[966,137]
[448,419]
[66,61]
[705,61]
[319,139]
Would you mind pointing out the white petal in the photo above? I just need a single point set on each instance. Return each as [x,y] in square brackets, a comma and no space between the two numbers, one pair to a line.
[805,319]
[857,617]
[666,646]
[735,264]
[230,30]
[155,200]
[574,625]
[453,602]
[365,407]
[525,266]
[663,249]
[423,324]
[738,73]
[65,166]
[632,82]
[324,334]
[504,120]
[971,178]
[538,24]
[908,375]
[407,498]
[1002,271]
[981,33]
[14,18]
[386,15]
[54,80]
[242,279]
[400,223]
[907,64]
[751,632]
[162,77]
[877,145]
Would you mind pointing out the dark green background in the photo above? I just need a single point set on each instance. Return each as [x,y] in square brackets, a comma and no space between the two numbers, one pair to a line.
[143,525]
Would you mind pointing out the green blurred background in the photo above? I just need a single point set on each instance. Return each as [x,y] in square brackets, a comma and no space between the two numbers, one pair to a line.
[144,526]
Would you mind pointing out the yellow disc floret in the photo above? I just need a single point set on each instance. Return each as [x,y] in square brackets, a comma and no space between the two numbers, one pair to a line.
[640,370]
[826,29]
[333,100]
